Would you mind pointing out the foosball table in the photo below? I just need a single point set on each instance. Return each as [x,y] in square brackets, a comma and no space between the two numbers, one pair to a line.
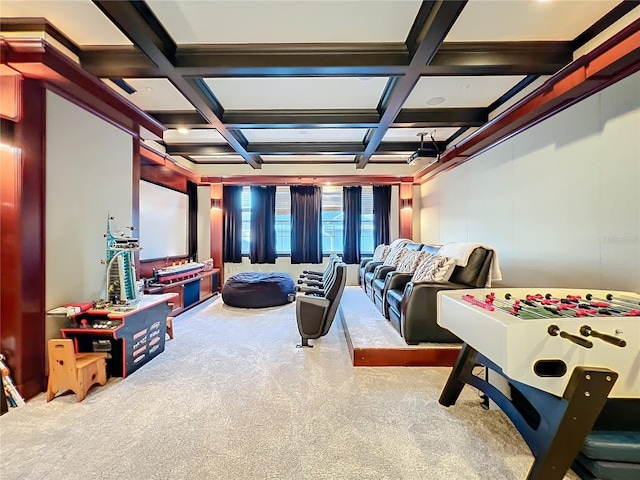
[567,355]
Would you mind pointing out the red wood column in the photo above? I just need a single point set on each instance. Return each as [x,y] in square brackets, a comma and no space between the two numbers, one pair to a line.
[406,212]
[216,230]
[22,259]
[135,194]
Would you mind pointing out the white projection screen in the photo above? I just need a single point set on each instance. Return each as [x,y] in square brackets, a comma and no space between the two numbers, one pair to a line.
[164,215]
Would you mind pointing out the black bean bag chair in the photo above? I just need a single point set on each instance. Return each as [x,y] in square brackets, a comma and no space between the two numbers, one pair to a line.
[258,290]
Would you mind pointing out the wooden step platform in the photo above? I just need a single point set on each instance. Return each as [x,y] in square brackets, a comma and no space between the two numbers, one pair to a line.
[374,342]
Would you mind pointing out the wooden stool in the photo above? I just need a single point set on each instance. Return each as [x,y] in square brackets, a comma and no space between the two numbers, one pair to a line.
[170,327]
[69,370]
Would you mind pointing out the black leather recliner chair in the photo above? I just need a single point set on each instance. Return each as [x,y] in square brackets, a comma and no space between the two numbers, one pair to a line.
[377,270]
[367,266]
[315,314]
[412,306]
[380,283]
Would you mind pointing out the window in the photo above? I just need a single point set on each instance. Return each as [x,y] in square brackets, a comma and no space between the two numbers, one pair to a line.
[283,220]
[366,227]
[332,220]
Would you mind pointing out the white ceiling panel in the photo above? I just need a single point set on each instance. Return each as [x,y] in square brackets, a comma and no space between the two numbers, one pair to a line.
[312,21]
[80,20]
[521,20]
[411,134]
[310,135]
[153,94]
[454,92]
[209,135]
[297,93]
[308,159]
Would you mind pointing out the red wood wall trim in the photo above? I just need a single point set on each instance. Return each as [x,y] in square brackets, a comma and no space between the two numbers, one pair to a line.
[608,63]
[35,58]
[157,159]
[306,180]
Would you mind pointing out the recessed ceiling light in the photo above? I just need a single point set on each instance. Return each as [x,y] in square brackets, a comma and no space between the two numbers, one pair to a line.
[183,131]
[365,79]
[150,89]
[435,101]
[465,87]
[302,132]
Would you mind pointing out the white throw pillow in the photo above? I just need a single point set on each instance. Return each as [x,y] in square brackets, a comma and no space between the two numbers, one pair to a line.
[434,269]
[394,257]
[381,253]
[410,261]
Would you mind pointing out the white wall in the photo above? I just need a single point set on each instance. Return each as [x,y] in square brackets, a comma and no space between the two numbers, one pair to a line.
[88,175]
[560,202]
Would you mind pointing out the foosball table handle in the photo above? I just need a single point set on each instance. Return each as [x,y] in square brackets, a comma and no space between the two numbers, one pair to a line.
[587,331]
[554,331]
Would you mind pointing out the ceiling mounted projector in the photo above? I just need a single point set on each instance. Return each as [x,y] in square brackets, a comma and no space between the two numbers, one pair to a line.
[422,152]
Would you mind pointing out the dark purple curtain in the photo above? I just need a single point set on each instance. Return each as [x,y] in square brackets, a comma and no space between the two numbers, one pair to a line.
[381,214]
[232,224]
[263,225]
[352,220]
[306,224]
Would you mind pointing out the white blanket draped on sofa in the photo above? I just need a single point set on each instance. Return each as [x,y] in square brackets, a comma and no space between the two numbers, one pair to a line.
[462,251]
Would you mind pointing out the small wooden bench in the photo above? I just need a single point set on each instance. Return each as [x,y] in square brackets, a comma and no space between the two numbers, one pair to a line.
[69,370]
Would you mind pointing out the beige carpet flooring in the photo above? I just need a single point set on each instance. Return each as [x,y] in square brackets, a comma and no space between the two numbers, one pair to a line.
[232,398]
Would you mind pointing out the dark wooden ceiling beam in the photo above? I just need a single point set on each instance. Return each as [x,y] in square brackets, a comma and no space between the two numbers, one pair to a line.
[387,148]
[307,148]
[138,23]
[440,117]
[433,22]
[123,61]
[301,119]
[257,60]
[266,60]
[500,58]
[301,148]
[199,149]
[173,119]
[310,119]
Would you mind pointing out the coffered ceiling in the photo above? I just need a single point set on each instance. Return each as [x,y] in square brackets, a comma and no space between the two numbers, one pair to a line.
[322,84]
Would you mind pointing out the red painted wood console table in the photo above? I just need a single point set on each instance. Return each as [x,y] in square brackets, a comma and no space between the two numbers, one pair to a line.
[130,335]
